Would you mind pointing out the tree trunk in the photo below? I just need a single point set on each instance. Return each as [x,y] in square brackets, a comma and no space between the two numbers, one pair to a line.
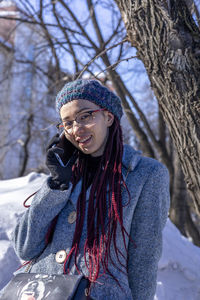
[25,150]
[180,210]
[168,43]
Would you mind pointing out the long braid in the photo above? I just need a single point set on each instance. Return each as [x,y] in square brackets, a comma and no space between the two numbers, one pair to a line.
[105,213]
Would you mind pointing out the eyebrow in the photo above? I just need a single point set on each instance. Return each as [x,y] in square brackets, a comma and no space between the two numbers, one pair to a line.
[82,109]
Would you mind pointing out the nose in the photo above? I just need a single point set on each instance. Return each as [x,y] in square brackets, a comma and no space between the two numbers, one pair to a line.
[76,127]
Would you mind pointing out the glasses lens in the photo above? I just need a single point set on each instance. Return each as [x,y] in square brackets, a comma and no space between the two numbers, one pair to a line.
[84,118]
[68,124]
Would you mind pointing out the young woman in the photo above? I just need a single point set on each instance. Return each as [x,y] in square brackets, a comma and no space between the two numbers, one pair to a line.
[102,210]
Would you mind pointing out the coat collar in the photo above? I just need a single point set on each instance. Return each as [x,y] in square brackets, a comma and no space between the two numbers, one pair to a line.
[130,158]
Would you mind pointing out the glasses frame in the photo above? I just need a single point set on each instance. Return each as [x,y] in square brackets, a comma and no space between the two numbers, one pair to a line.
[60,124]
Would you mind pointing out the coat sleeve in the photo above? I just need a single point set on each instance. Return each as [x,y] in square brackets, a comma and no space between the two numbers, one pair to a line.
[146,231]
[29,234]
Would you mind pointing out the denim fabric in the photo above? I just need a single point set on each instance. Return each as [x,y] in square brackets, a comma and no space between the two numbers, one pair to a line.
[144,218]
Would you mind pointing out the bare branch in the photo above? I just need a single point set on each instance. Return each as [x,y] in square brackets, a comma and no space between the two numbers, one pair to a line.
[67,39]
[113,66]
[99,55]
[78,24]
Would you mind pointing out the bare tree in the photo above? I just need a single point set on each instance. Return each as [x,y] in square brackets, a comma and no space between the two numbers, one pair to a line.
[78,44]
[168,42]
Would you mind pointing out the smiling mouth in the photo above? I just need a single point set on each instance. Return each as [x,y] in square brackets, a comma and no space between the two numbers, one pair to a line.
[84,141]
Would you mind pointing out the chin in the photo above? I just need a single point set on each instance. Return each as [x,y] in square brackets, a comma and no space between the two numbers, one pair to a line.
[89,152]
[85,151]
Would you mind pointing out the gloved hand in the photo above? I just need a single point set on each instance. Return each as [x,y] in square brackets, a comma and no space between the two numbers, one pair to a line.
[60,171]
[62,142]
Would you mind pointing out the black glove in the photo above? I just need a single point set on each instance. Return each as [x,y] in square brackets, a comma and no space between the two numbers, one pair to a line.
[60,171]
[63,143]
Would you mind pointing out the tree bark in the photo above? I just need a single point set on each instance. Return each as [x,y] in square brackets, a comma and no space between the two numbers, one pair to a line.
[180,209]
[25,149]
[168,42]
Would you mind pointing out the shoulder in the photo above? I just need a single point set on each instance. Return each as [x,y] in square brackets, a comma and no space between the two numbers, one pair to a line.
[136,163]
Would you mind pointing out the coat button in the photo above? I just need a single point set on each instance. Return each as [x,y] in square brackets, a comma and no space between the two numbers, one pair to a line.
[61,256]
[72,217]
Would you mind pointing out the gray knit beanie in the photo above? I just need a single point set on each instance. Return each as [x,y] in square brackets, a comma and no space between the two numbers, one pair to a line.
[91,90]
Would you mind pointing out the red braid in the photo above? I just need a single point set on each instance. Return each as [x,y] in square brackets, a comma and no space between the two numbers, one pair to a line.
[104,215]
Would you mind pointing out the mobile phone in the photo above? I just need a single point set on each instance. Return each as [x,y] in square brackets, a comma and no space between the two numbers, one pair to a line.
[71,150]
[59,159]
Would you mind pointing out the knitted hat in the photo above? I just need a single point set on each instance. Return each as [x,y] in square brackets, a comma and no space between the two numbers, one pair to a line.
[91,90]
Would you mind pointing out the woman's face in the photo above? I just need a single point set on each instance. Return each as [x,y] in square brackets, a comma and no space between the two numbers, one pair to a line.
[91,138]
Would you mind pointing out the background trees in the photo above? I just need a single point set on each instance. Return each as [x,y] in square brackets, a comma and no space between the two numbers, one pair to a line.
[88,38]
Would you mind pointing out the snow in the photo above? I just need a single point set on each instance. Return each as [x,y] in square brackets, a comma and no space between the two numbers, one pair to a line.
[178,274]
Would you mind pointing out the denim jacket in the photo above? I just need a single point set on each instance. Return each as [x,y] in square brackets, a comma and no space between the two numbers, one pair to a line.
[144,217]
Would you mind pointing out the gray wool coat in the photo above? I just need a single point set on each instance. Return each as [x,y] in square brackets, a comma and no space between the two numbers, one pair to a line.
[144,218]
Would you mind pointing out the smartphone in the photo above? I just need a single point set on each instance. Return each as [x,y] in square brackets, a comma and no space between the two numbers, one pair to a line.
[64,159]
[59,158]
[60,146]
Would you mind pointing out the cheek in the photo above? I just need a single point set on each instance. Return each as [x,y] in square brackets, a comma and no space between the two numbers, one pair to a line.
[104,131]
[102,135]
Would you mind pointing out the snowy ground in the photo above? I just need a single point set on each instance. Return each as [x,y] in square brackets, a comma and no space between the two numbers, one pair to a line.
[179,267]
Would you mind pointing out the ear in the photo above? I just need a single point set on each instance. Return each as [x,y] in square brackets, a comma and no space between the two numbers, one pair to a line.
[109,118]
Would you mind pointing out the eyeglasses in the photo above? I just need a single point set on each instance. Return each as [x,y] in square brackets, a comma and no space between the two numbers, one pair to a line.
[84,119]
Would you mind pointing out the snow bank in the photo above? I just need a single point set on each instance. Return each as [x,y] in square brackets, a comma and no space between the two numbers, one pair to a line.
[178,274]
[13,192]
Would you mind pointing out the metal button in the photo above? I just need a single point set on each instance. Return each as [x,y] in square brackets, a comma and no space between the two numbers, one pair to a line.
[61,256]
[72,217]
